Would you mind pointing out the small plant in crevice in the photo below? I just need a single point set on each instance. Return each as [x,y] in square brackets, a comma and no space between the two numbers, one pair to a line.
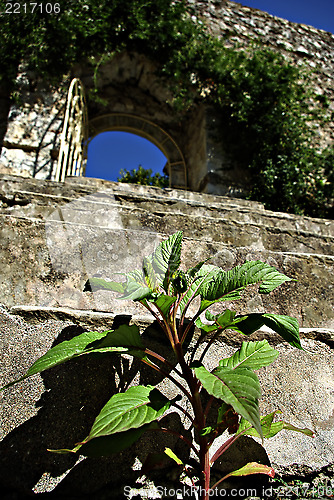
[232,387]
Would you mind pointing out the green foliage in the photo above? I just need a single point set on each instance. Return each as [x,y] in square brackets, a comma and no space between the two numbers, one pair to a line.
[90,29]
[167,292]
[238,387]
[285,326]
[270,428]
[255,355]
[134,408]
[143,176]
[267,107]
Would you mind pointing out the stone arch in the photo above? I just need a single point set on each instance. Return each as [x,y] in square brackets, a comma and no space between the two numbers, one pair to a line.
[124,122]
[129,89]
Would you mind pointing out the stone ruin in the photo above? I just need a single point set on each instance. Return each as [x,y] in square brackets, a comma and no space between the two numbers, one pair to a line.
[54,235]
[132,98]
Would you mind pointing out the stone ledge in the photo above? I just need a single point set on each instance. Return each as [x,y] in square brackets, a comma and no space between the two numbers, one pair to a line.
[96,319]
[40,412]
[220,207]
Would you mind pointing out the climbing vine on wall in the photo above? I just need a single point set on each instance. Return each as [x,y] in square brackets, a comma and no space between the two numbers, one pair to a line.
[267,106]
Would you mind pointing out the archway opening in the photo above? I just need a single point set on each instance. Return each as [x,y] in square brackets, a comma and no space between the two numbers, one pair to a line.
[112,151]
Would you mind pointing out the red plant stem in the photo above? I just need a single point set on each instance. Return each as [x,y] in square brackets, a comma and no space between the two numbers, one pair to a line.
[145,304]
[184,411]
[227,444]
[180,436]
[208,406]
[181,296]
[199,421]
[188,304]
[165,374]
[163,360]
[186,331]
[198,342]
[164,325]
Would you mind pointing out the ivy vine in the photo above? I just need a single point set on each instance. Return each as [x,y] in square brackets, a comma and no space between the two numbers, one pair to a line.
[269,111]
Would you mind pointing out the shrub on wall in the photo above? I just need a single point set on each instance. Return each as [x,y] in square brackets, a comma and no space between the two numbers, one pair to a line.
[143,176]
[270,116]
[268,108]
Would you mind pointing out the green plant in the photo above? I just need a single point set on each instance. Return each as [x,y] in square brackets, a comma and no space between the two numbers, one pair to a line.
[269,110]
[167,292]
[143,176]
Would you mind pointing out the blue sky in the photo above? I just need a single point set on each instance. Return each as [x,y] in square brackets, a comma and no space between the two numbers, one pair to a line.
[317,13]
[110,152]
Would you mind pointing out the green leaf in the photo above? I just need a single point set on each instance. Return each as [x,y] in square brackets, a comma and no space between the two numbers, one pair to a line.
[206,431]
[163,303]
[167,258]
[127,337]
[94,284]
[255,355]
[132,409]
[206,328]
[272,280]
[252,468]
[227,285]
[235,295]
[271,428]
[136,287]
[237,387]
[285,326]
[204,275]
[84,343]
[304,430]
[172,455]
[247,324]
[123,340]
[194,270]
[150,276]
[222,319]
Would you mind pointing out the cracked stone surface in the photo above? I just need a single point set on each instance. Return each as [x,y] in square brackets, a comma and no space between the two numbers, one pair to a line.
[44,226]
[38,413]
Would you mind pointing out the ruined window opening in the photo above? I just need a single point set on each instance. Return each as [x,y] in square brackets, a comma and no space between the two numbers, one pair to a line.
[175,166]
[112,151]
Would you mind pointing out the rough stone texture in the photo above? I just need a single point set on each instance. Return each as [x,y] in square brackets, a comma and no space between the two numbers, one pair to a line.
[39,413]
[240,25]
[128,85]
[52,242]
[55,235]
[33,132]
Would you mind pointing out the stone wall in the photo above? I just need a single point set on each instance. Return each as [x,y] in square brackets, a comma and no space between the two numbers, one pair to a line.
[31,142]
[127,85]
[56,235]
[304,45]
